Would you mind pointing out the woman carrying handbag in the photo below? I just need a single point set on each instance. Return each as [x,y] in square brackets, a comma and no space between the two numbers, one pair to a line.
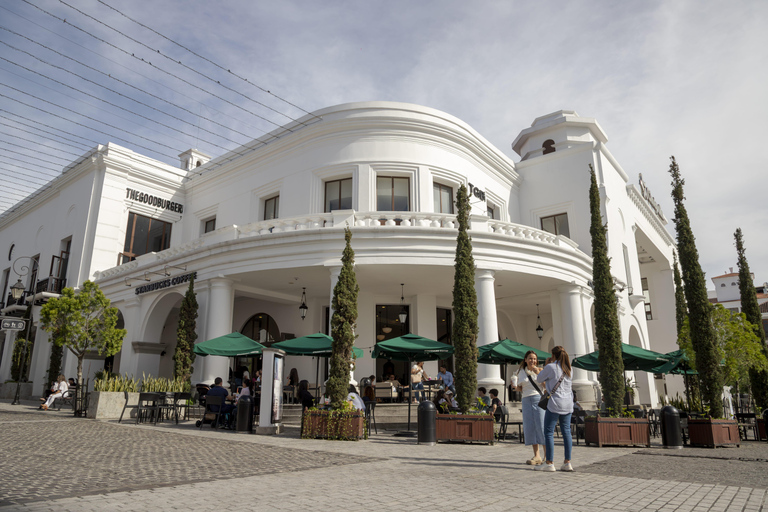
[533,415]
[556,376]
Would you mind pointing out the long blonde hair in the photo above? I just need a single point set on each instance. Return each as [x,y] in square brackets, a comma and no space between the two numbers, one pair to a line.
[61,378]
[561,356]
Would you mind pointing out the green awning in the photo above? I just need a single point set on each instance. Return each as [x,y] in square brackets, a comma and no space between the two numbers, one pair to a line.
[677,364]
[317,345]
[412,347]
[635,358]
[229,345]
[507,351]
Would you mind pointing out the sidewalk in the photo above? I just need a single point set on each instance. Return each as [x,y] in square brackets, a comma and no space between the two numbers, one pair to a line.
[127,467]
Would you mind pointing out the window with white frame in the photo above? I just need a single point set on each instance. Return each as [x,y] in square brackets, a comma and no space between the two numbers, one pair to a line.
[393,194]
[271,208]
[443,196]
[556,224]
[338,195]
[491,211]
[647,299]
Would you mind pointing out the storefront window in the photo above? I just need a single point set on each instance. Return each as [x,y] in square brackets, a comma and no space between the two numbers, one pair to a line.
[144,235]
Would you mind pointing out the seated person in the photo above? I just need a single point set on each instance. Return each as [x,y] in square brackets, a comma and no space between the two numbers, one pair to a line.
[369,393]
[58,390]
[451,401]
[444,401]
[446,377]
[355,399]
[219,390]
[483,400]
[72,382]
[305,397]
[495,405]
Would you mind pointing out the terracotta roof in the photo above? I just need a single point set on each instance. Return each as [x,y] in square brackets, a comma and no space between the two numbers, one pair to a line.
[727,275]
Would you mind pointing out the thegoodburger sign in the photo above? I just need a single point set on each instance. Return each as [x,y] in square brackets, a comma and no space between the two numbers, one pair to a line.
[152,200]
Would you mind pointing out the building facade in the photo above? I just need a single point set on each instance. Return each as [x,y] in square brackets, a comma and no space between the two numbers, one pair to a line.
[264,223]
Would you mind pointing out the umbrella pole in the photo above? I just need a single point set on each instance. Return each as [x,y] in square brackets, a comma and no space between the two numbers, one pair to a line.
[317,379]
[410,395]
[687,391]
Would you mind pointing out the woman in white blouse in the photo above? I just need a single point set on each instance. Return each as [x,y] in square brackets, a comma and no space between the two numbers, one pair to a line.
[533,415]
[58,391]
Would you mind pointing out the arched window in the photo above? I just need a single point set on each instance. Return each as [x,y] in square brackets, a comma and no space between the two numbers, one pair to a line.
[548,147]
[262,328]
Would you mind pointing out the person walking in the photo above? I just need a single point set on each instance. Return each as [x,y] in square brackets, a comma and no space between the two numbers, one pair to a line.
[533,415]
[556,376]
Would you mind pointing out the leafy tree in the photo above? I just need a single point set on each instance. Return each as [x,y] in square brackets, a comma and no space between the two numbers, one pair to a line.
[758,378]
[186,335]
[465,328]
[699,309]
[736,346]
[343,325]
[83,321]
[607,328]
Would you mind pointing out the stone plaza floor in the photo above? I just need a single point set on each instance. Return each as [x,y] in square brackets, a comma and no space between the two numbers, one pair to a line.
[52,461]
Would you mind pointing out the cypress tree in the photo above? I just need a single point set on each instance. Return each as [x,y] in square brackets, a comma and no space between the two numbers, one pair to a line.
[186,335]
[465,328]
[699,308]
[343,325]
[54,362]
[607,328]
[758,379]
[681,309]
[681,316]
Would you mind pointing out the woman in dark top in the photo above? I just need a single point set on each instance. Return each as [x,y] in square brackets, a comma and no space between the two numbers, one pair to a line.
[305,397]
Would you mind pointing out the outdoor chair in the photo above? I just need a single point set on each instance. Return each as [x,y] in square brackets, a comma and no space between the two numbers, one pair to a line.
[148,407]
[747,421]
[654,421]
[370,415]
[209,415]
[126,406]
[502,433]
[578,425]
[181,404]
[68,397]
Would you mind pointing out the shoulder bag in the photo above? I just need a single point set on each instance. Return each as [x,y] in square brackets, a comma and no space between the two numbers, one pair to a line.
[533,383]
[546,396]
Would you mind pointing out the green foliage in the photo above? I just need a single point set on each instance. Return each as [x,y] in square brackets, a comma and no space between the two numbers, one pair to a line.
[343,325]
[465,328]
[54,362]
[115,383]
[681,309]
[736,344]
[749,306]
[337,425]
[699,309]
[83,321]
[16,362]
[607,329]
[186,335]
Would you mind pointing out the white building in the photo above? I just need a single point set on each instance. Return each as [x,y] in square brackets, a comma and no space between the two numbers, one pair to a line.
[262,223]
[727,294]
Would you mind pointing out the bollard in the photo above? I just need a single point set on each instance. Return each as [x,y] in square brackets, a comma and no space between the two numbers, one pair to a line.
[427,429]
[764,433]
[244,414]
[671,433]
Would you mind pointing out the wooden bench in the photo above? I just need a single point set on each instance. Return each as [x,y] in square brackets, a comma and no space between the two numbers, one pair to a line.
[67,398]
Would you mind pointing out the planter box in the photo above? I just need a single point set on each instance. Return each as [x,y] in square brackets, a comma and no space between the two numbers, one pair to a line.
[465,427]
[8,391]
[711,433]
[761,430]
[349,426]
[108,405]
[617,431]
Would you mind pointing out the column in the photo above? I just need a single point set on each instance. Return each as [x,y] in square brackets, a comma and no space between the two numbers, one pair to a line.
[575,321]
[488,375]
[131,311]
[220,309]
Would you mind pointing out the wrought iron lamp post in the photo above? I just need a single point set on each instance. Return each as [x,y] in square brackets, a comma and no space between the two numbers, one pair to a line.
[17,291]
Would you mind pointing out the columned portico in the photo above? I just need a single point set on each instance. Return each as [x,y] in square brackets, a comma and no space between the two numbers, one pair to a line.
[131,311]
[488,375]
[576,329]
[220,310]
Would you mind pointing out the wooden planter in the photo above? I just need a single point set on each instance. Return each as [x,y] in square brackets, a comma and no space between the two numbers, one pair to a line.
[711,433]
[465,427]
[761,430]
[617,431]
[343,426]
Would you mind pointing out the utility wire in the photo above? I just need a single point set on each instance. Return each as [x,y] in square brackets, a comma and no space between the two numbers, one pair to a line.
[70,144]
[23,183]
[38,143]
[208,60]
[91,141]
[26,155]
[9,160]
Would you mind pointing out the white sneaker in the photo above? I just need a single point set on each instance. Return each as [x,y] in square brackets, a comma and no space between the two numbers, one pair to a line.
[566,467]
[550,468]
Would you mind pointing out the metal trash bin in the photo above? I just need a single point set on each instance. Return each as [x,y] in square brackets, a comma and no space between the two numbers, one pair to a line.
[427,428]
[244,414]
[671,432]
[765,423]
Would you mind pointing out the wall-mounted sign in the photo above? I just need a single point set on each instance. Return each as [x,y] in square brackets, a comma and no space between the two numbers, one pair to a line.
[13,325]
[151,200]
[649,198]
[165,283]
[474,191]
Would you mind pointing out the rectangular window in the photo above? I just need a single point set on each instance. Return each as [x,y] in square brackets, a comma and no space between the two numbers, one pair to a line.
[556,224]
[647,295]
[144,235]
[490,211]
[626,265]
[58,273]
[271,208]
[443,198]
[393,194]
[338,195]
[209,225]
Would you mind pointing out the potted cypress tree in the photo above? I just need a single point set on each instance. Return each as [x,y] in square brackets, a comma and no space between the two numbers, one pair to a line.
[713,430]
[617,427]
[340,421]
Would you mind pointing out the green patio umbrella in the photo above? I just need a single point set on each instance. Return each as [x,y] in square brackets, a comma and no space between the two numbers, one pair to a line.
[635,358]
[678,364]
[412,347]
[316,345]
[229,345]
[505,352]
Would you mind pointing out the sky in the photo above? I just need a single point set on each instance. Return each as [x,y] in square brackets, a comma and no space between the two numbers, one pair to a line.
[684,78]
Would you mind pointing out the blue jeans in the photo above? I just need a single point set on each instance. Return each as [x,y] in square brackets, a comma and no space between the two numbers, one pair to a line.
[550,420]
[419,395]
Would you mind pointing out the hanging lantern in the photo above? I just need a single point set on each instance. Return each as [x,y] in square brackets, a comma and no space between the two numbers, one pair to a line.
[303,308]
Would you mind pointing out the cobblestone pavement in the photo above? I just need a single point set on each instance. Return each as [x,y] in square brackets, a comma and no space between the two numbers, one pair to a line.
[286,473]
